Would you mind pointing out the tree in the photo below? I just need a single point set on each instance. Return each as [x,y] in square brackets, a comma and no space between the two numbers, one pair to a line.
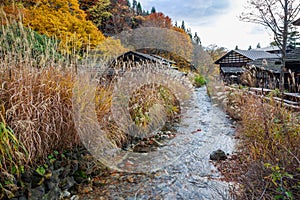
[216,52]
[134,4]
[99,13]
[258,46]
[249,48]
[236,47]
[293,38]
[153,10]
[277,15]
[182,25]
[196,39]
[158,19]
[189,32]
[122,18]
[139,10]
[128,3]
[72,29]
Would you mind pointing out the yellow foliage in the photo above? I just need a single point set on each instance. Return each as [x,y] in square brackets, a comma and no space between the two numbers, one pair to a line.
[64,20]
[111,48]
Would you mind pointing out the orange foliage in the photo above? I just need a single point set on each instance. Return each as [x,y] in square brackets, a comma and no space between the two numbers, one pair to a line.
[158,20]
[180,30]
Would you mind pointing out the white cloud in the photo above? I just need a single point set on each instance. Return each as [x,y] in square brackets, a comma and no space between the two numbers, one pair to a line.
[216,21]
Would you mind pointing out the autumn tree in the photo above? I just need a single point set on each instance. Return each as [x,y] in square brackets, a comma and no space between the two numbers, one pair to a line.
[215,51]
[121,19]
[158,19]
[176,42]
[65,20]
[99,13]
[278,16]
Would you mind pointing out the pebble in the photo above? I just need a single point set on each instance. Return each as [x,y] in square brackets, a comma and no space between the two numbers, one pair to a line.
[74,197]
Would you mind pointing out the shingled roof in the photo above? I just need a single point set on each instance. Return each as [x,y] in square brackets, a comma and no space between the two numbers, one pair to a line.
[297,22]
[293,56]
[253,55]
[272,65]
[248,55]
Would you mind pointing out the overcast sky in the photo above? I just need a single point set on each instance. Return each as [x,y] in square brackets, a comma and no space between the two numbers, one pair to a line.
[215,21]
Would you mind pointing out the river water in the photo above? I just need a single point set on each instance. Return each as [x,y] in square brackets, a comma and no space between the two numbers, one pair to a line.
[204,128]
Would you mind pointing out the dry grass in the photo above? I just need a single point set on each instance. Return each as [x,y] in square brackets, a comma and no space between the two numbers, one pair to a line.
[36,90]
[39,108]
[269,151]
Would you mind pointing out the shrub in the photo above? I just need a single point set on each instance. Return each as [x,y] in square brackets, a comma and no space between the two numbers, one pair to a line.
[199,80]
[270,137]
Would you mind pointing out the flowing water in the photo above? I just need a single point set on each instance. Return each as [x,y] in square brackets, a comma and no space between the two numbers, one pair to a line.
[205,128]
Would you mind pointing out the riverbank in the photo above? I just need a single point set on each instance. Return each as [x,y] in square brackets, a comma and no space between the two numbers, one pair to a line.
[191,175]
[266,165]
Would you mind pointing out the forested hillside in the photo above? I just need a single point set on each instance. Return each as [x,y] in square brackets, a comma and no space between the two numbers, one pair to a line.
[87,21]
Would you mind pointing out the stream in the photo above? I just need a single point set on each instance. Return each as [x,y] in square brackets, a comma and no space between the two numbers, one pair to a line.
[191,175]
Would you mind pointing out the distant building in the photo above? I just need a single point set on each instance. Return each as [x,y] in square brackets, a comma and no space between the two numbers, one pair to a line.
[267,71]
[134,58]
[232,64]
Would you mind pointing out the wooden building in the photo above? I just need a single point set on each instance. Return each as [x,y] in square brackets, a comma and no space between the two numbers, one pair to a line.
[292,65]
[133,58]
[233,63]
[297,22]
[267,71]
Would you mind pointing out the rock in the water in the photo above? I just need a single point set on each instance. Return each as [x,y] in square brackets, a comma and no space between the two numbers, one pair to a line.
[218,155]
[67,183]
[37,193]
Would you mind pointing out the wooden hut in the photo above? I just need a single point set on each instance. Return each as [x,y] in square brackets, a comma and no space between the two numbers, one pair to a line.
[267,71]
[297,22]
[232,64]
[135,58]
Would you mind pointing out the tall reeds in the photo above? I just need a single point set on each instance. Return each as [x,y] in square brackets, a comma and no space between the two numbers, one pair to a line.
[36,88]
[270,138]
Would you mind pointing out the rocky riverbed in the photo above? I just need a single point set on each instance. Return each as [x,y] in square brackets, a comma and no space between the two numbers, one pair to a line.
[190,174]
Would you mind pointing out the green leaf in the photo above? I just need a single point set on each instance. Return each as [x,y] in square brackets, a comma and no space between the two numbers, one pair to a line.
[41,170]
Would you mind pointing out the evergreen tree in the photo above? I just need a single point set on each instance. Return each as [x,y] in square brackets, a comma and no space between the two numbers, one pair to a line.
[134,4]
[293,38]
[153,10]
[236,47]
[250,47]
[139,10]
[258,46]
[182,25]
[128,4]
[189,32]
[175,24]
[197,39]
